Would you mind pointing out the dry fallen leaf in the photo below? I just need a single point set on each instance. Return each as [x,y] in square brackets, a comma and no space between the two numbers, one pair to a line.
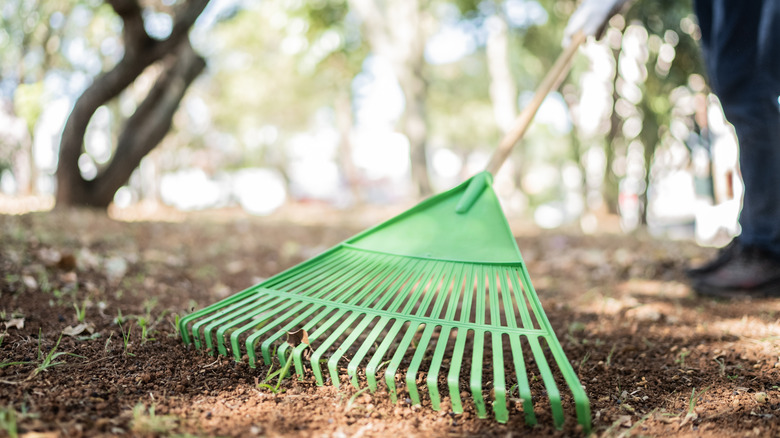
[30,282]
[297,337]
[67,262]
[17,323]
[115,268]
[690,416]
[79,329]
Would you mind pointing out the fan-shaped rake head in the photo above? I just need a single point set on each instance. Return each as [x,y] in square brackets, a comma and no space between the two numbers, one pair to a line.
[419,320]
[365,311]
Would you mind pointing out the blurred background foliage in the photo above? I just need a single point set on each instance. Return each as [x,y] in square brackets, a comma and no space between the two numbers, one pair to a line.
[349,101]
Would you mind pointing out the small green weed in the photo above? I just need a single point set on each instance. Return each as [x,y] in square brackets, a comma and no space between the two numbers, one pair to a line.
[8,364]
[126,340]
[143,322]
[43,281]
[282,373]
[721,366]
[294,339]
[149,305]
[119,319]
[584,359]
[354,397]
[681,358]
[175,324]
[608,362]
[8,422]
[691,414]
[49,360]
[149,423]
[81,312]
[108,342]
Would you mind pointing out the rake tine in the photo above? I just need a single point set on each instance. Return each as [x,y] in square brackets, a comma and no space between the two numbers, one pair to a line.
[217,315]
[549,382]
[397,297]
[441,286]
[315,357]
[235,335]
[525,316]
[273,320]
[420,291]
[499,381]
[270,303]
[353,271]
[411,373]
[523,388]
[444,335]
[476,373]
[317,266]
[580,398]
[412,268]
[432,380]
[367,343]
[337,333]
[479,347]
[220,334]
[392,367]
[334,359]
[377,293]
[373,365]
[453,377]
[184,321]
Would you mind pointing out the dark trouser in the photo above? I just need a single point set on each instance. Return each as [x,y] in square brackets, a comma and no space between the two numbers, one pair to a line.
[741,45]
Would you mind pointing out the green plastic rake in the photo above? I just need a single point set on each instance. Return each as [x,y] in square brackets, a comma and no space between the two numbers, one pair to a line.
[415,300]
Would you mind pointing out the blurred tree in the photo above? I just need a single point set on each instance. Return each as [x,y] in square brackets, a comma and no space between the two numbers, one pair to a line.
[398,31]
[670,55]
[276,79]
[150,122]
[503,90]
[31,35]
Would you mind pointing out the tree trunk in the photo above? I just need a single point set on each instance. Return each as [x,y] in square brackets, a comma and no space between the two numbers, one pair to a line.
[397,31]
[343,107]
[151,120]
[610,190]
[416,128]
[503,92]
[650,139]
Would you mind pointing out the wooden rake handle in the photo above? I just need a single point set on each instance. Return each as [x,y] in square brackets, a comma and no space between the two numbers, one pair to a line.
[550,82]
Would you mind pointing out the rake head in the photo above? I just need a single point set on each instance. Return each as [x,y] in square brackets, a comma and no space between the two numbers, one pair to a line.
[423,300]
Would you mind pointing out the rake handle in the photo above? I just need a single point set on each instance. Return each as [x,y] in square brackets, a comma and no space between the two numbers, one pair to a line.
[550,82]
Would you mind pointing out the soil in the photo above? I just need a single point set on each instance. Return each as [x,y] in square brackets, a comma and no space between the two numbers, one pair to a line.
[89,347]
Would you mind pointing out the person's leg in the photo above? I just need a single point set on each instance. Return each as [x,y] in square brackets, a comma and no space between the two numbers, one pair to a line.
[741,46]
[742,52]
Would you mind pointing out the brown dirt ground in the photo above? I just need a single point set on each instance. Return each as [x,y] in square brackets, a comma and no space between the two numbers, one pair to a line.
[640,342]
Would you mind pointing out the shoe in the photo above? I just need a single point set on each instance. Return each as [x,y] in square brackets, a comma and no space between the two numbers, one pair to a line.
[724,255]
[744,272]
